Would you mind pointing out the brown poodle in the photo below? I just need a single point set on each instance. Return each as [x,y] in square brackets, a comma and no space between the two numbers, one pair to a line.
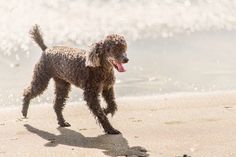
[90,70]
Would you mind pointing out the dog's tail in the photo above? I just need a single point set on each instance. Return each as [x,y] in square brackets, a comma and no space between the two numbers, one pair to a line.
[36,35]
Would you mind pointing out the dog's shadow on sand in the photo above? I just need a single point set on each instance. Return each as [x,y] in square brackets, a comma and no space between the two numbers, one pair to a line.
[113,145]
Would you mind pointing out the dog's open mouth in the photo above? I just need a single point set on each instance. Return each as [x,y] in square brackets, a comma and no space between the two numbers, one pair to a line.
[119,66]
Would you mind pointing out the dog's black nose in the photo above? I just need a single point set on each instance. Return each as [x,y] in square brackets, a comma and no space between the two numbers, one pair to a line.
[125,60]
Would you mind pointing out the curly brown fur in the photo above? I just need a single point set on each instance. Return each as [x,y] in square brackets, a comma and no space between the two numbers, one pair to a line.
[90,70]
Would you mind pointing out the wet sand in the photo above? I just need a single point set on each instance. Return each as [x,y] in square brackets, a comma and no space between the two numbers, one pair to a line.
[199,125]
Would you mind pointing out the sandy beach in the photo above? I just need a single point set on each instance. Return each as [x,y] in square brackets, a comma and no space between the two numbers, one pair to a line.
[196,124]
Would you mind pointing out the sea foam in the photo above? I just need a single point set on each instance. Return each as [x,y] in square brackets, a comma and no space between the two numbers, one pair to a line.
[83,22]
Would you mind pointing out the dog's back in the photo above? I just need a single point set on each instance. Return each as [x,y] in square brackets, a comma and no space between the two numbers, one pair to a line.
[61,62]
[67,63]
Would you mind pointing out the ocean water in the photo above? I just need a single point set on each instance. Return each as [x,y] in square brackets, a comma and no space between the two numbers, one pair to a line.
[173,45]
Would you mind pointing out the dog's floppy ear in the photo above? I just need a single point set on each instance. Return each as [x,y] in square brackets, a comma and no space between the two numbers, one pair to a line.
[92,56]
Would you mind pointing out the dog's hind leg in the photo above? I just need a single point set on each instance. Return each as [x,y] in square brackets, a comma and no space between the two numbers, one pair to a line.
[62,89]
[108,95]
[38,84]
[91,95]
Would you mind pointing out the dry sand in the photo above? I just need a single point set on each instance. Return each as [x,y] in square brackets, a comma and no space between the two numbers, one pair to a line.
[200,125]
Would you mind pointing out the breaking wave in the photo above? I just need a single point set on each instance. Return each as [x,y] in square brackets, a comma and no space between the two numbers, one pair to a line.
[83,21]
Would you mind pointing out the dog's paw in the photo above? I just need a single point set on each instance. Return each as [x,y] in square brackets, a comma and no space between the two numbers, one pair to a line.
[24,113]
[107,111]
[113,132]
[64,124]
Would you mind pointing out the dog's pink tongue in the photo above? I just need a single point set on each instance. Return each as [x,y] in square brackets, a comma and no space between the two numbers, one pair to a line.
[120,67]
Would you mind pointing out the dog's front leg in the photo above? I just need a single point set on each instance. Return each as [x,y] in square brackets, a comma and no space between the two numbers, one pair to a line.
[91,97]
[108,95]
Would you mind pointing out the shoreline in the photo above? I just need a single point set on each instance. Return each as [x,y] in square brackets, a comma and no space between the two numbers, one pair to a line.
[168,125]
[160,96]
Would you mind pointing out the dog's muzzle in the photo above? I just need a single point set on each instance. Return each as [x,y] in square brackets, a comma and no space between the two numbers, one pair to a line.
[125,60]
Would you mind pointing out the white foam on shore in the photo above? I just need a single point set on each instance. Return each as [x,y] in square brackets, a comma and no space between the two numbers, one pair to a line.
[88,21]
[131,99]
[175,95]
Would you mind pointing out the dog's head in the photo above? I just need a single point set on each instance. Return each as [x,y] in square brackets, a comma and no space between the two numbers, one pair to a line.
[112,51]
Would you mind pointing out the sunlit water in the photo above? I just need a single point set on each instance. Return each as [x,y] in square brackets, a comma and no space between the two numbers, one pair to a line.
[173,45]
